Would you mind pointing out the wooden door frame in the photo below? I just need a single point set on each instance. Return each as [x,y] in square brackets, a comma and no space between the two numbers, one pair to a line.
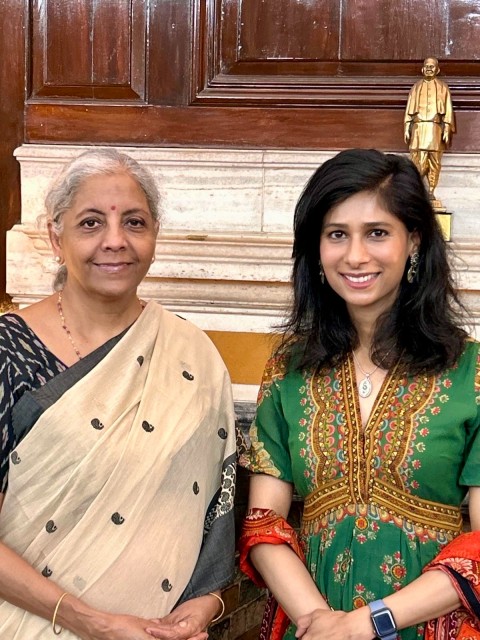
[13,21]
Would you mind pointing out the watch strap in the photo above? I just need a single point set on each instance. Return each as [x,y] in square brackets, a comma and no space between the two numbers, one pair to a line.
[376,607]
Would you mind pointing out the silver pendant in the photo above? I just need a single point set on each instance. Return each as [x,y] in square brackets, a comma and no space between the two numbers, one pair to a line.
[365,387]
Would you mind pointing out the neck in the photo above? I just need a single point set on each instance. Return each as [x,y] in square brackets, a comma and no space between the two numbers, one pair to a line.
[94,318]
[365,327]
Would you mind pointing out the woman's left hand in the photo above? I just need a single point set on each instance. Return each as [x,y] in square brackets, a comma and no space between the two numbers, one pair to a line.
[336,625]
[188,621]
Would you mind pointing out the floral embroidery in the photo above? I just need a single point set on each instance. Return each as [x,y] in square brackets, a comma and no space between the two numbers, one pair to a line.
[260,459]
[326,538]
[362,596]
[275,369]
[367,529]
[394,571]
[342,566]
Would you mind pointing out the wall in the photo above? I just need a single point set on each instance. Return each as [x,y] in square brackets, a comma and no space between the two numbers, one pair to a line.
[223,255]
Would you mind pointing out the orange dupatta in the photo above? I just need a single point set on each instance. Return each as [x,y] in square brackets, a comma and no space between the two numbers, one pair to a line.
[264,526]
[460,559]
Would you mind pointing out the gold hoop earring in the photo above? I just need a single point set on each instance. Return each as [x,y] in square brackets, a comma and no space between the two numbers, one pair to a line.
[413,268]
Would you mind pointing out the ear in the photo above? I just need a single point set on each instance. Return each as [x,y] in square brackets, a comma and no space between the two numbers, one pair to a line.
[415,241]
[54,239]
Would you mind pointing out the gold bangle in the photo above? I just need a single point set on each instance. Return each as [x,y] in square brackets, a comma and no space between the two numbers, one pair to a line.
[215,595]
[58,631]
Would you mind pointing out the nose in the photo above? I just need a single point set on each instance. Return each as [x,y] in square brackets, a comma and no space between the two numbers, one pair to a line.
[114,238]
[356,253]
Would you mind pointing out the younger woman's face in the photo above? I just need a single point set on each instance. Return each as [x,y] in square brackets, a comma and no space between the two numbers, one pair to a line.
[364,250]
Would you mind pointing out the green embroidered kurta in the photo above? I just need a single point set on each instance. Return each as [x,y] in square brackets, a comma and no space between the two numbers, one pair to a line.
[380,500]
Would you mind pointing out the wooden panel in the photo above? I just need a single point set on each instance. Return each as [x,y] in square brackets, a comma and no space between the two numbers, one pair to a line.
[464,29]
[355,52]
[92,49]
[298,74]
[285,29]
[400,30]
[171,70]
[272,128]
[11,116]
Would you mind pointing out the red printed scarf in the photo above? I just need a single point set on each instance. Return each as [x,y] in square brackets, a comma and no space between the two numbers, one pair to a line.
[265,526]
[460,559]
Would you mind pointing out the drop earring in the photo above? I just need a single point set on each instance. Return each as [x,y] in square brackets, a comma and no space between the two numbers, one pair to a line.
[413,268]
[321,272]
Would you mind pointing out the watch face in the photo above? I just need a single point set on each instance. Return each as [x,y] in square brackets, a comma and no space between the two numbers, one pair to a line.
[384,623]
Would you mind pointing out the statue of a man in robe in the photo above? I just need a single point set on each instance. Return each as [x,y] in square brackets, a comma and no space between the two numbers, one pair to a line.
[429,123]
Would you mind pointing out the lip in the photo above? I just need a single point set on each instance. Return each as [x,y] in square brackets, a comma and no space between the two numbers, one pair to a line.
[112,267]
[359,280]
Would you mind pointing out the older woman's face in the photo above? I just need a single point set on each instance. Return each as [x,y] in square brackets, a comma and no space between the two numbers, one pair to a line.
[108,236]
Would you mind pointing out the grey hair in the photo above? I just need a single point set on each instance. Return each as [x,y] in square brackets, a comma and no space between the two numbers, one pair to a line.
[91,163]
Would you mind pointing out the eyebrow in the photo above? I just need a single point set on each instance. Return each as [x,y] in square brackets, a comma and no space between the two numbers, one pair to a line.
[367,225]
[102,213]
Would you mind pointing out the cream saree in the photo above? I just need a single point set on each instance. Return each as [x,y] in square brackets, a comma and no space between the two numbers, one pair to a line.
[124,486]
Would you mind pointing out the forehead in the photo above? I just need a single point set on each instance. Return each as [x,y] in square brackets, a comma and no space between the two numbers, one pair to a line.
[430,62]
[110,188]
[362,208]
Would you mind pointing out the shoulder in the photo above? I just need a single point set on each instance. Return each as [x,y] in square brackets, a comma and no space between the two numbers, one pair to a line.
[282,365]
[182,326]
[189,338]
[468,364]
[471,351]
[13,332]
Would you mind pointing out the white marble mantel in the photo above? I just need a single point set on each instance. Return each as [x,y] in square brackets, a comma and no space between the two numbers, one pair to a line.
[223,255]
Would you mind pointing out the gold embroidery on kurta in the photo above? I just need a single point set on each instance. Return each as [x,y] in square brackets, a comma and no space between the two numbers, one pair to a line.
[363,482]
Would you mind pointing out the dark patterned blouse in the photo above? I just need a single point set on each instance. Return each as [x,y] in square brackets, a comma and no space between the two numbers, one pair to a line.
[25,364]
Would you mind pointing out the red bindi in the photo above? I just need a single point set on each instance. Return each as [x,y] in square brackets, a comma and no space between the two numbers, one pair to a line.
[113,207]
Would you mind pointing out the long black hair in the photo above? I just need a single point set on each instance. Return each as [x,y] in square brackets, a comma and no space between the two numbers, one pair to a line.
[424,326]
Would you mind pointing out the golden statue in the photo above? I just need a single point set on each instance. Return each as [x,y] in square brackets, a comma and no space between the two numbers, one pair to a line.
[429,124]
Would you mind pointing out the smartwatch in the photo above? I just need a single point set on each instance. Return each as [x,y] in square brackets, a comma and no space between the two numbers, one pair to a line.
[383,621]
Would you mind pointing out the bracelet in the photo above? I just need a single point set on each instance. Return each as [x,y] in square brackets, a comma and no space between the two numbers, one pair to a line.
[223,606]
[58,631]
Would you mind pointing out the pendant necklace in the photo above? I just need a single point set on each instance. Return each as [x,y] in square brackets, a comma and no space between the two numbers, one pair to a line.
[67,330]
[64,325]
[365,386]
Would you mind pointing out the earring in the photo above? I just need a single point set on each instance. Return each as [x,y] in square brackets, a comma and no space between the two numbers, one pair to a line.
[57,259]
[413,268]
[321,272]
[152,260]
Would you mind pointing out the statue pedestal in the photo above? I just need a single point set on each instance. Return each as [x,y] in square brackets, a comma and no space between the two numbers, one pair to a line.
[444,219]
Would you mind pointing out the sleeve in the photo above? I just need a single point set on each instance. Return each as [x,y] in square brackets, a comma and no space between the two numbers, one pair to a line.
[269,451]
[470,476]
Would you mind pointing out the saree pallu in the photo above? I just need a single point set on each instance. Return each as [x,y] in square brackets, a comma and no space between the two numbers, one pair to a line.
[122,492]
[460,560]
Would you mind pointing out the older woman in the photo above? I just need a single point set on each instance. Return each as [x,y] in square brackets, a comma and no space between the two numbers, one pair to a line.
[117,460]
[370,409]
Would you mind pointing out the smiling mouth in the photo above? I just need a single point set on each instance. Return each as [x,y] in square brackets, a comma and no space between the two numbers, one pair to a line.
[112,266]
[360,278]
